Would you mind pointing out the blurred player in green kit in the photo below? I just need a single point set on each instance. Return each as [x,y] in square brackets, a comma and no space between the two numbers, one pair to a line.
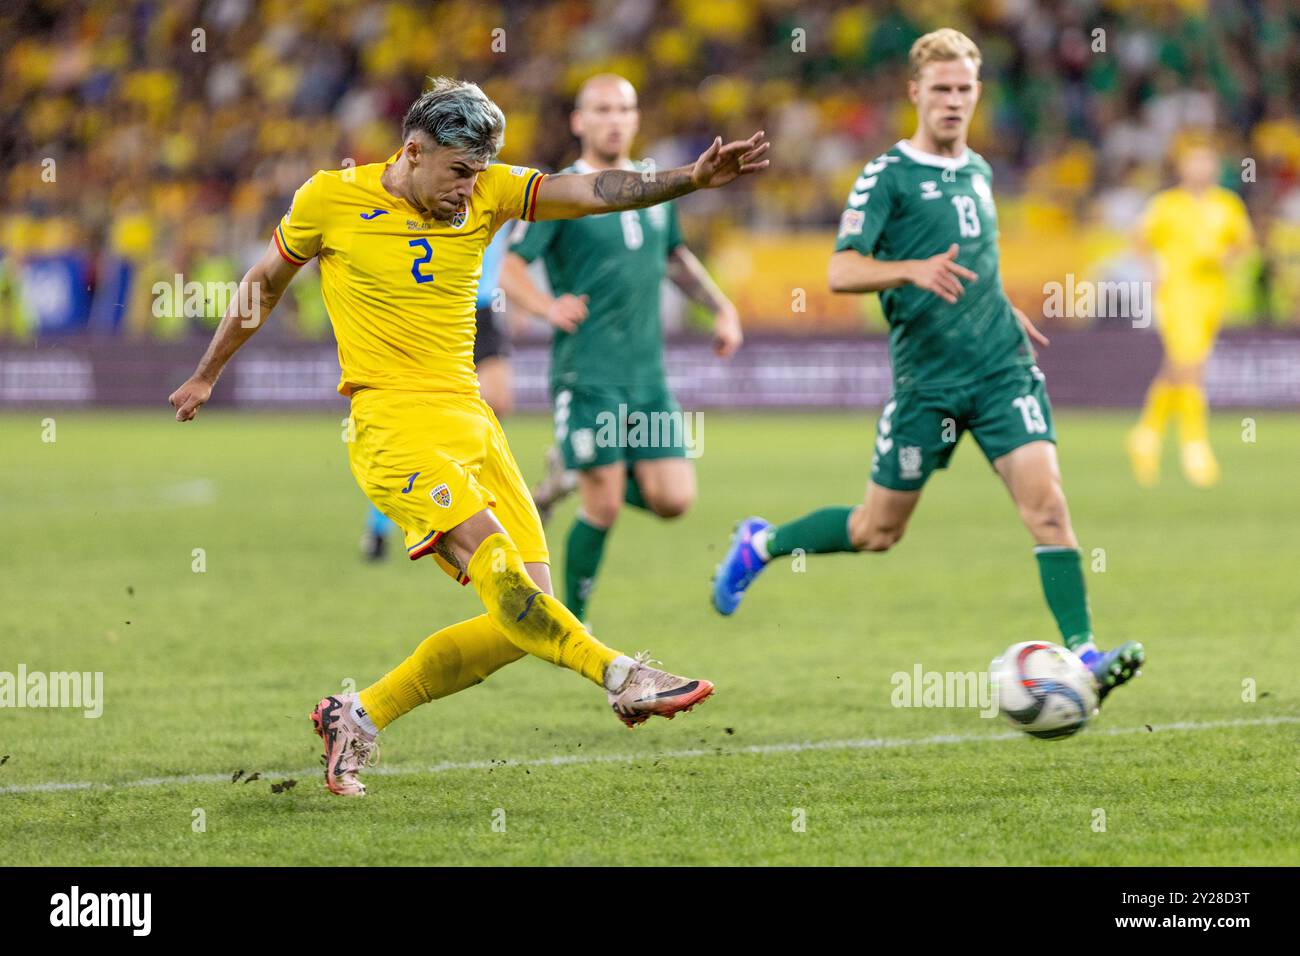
[920,228]
[608,387]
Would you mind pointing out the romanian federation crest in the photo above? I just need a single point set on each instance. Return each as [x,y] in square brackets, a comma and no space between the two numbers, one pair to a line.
[441,496]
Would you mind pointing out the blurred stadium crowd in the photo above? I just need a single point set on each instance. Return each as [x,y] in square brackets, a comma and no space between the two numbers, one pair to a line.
[143,139]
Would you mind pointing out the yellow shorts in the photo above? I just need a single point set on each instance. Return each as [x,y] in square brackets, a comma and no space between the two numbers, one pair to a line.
[430,460]
[1188,318]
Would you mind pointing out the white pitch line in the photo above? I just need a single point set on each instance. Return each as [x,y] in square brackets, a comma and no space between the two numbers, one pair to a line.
[565,760]
[177,494]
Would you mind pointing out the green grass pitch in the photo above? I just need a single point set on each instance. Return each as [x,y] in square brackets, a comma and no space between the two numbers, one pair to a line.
[209,673]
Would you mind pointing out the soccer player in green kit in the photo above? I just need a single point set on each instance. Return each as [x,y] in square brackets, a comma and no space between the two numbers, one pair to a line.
[607,373]
[920,228]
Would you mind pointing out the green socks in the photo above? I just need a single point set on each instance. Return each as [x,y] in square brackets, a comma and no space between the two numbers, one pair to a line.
[582,554]
[827,530]
[632,493]
[585,548]
[1061,569]
[824,531]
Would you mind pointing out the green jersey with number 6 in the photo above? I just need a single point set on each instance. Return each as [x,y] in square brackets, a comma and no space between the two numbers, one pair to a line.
[618,260]
[909,204]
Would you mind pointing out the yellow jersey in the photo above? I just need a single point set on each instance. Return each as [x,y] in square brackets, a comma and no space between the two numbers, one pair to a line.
[1192,234]
[400,290]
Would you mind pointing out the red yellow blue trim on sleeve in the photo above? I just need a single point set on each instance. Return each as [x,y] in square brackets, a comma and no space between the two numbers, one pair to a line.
[286,253]
[530,195]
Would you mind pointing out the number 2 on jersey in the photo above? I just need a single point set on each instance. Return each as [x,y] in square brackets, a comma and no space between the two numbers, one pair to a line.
[428,254]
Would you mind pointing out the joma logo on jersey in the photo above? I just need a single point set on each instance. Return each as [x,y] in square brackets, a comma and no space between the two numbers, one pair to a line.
[930,190]
[441,496]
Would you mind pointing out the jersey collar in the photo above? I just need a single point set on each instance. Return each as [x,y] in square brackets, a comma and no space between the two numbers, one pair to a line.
[931,159]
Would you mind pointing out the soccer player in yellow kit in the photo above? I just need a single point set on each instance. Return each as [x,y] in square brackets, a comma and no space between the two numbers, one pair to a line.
[1197,231]
[400,245]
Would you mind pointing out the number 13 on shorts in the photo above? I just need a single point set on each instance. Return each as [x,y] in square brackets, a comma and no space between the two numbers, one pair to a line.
[1032,413]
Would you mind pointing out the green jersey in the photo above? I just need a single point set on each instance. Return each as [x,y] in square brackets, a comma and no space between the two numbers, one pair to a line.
[908,204]
[618,260]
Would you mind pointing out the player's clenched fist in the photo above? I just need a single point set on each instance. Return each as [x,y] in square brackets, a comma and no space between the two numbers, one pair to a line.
[567,312]
[941,275]
[187,399]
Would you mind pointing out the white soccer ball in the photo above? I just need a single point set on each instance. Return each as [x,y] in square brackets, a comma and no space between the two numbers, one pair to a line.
[1043,689]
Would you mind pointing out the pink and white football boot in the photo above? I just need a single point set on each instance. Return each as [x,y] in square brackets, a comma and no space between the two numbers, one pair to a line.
[649,692]
[348,747]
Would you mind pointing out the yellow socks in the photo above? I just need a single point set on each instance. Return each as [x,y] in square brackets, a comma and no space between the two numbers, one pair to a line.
[1192,414]
[535,622]
[1199,464]
[1187,402]
[1159,403]
[520,619]
[447,661]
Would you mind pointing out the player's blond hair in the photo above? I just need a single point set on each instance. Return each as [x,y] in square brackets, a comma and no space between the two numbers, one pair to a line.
[941,46]
[1190,138]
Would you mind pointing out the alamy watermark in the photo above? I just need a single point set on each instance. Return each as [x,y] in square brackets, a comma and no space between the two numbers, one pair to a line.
[635,429]
[194,300]
[78,689]
[922,688]
[1085,299]
[75,908]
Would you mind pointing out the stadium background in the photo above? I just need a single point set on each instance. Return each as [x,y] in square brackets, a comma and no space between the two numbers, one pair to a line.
[152,144]
[210,571]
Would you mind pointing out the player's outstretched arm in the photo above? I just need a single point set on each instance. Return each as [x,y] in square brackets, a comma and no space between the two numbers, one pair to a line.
[853,272]
[688,274]
[570,195]
[259,291]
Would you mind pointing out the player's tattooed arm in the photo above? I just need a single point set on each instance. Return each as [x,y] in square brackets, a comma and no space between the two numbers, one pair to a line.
[688,274]
[618,189]
[568,196]
[259,291]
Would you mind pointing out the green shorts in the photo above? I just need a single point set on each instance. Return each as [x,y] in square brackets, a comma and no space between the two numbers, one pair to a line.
[604,424]
[919,428]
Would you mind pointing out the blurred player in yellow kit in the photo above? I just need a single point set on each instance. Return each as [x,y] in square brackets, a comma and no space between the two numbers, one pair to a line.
[400,245]
[1196,233]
